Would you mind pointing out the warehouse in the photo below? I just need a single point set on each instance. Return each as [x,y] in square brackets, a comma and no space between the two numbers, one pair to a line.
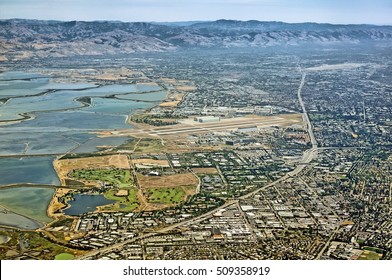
[207,119]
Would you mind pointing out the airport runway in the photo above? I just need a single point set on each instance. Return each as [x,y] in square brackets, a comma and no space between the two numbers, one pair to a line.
[218,126]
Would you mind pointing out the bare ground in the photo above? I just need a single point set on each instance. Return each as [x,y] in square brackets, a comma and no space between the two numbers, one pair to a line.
[211,170]
[166,181]
[150,162]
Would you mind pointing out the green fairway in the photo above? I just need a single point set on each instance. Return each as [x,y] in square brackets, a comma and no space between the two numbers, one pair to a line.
[369,255]
[166,195]
[117,177]
[124,203]
[64,256]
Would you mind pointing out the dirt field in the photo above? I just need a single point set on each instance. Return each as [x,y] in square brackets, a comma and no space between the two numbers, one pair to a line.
[99,74]
[186,88]
[122,193]
[65,166]
[166,181]
[55,204]
[176,99]
[211,170]
[168,80]
[169,104]
[150,162]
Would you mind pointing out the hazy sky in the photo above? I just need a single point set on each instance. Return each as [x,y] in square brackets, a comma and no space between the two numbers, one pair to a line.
[332,11]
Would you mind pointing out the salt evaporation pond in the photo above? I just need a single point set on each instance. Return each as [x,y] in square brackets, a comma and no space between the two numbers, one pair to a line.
[35,170]
[11,219]
[31,202]
[58,124]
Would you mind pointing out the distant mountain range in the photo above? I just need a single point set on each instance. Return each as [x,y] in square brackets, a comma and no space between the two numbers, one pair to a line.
[20,39]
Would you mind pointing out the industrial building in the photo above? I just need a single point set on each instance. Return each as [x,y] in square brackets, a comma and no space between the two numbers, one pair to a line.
[207,119]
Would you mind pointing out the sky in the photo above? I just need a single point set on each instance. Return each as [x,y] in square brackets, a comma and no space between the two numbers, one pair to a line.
[322,11]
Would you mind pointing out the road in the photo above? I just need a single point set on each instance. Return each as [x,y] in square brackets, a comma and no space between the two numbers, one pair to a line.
[325,247]
[118,246]
[198,218]
[305,113]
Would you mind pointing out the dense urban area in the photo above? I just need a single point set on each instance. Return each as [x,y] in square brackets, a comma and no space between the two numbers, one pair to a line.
[275,152]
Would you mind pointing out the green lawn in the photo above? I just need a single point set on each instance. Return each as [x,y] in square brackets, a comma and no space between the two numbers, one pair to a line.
[64,256]
[369,255]
[124,203]
[165,195]
[117,177]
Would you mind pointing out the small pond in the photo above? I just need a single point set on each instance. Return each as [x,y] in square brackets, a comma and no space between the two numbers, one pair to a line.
[84,203]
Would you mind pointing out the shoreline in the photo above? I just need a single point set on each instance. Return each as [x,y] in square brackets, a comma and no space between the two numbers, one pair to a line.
[117,161]
[55,208]
[55,205]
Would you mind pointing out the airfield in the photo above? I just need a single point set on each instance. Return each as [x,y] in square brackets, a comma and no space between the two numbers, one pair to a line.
[187,127]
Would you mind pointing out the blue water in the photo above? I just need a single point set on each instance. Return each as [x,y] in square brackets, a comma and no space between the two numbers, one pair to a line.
[72,121]
[114,106]
[23,84]
[91,145]
[38,142]
[59,124]
[36,170]
[14,199]
[65,86]
[15,75]
[67,99]
[20,92]
[12,219]
[84,203]
[54,101]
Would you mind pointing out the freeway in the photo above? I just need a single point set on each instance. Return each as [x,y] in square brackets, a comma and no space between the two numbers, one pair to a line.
[305,113]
